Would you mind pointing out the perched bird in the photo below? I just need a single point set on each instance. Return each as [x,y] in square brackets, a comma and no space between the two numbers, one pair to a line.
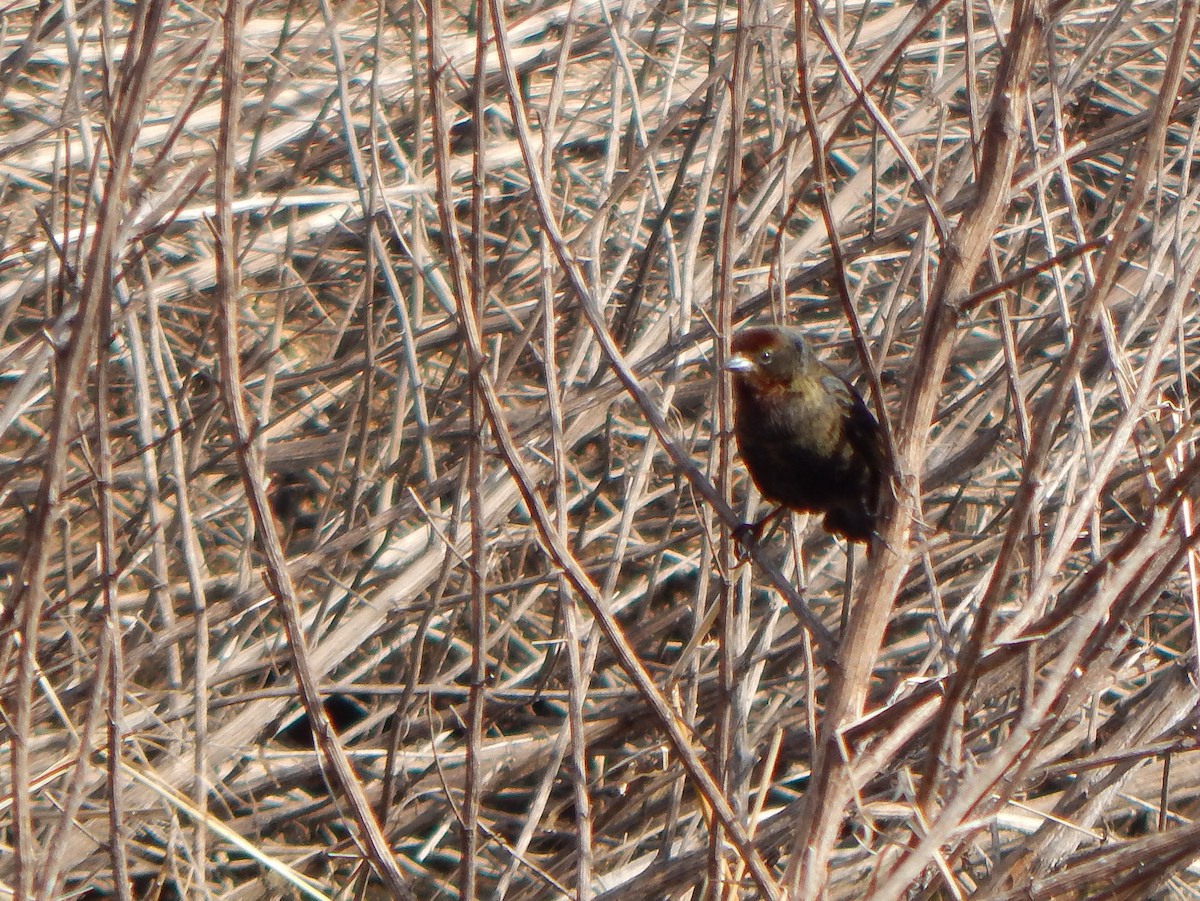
[806,436]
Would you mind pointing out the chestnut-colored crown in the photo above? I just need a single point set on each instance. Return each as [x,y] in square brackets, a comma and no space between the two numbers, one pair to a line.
[752,340]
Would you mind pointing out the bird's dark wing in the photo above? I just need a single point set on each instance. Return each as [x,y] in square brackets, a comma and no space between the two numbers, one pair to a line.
[862,429]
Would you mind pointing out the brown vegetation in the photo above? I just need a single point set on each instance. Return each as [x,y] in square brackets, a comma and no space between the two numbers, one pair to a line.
[368,482]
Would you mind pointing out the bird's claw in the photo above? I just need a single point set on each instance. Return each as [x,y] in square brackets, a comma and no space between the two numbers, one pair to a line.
[746,535]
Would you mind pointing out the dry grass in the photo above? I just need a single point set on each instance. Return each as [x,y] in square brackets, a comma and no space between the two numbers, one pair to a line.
[351,374]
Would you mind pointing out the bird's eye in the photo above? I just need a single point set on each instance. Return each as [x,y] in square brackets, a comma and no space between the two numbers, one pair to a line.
[764,356]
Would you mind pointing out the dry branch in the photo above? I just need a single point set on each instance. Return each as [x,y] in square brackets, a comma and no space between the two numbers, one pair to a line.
[366,486]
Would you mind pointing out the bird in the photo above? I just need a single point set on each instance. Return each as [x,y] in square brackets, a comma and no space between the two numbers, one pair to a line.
[805,435]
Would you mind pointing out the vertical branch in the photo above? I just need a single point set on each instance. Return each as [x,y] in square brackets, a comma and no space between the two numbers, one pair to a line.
[470,314]
[469,290]
[112,620]
[831,786]
[197,573]
[276,575]
[732,638]
[573,632]
[30,591]
[552,542]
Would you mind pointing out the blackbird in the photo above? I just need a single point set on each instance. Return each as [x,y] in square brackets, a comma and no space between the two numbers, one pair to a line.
[809,441]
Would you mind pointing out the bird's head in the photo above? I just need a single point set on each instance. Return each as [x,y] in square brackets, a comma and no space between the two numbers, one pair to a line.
[769,357]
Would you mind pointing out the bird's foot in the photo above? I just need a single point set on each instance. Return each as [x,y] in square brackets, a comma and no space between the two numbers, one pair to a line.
[746,535]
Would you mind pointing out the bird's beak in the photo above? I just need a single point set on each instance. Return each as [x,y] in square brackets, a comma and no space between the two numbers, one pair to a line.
[738,364]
